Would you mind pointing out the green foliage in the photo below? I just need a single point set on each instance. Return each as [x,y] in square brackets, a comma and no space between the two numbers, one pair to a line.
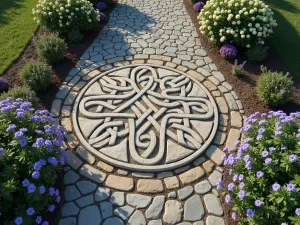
[239,22]
[75,36]
[37,75]
[21,92]
[29,162]
[66,15]
[264,168]
[257,53]
[52,48]
[237,70]
[274,89]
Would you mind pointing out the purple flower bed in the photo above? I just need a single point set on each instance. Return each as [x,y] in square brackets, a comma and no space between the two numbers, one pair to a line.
[3,85]
[228,51]
[265,187]
[103,16]
[101,6]
[198,6]
[30,157]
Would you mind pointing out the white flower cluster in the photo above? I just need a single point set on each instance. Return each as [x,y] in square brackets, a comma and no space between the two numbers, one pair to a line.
[60,14]
[241,22]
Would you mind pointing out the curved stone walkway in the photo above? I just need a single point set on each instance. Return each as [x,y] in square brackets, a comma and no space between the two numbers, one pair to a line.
[156,36]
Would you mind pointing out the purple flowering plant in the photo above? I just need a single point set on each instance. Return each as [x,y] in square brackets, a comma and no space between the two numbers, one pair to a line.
[237,69]
[265,186]
[228,51]
[29,162]
[198,6]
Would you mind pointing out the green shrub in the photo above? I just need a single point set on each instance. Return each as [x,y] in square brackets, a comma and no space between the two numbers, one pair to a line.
[21,92]
[257,53]
[65,15]
[75,36]
[274,89]
[52,48]
[237,22]
[30,157]
[37,75]
[264,168]
[237,69]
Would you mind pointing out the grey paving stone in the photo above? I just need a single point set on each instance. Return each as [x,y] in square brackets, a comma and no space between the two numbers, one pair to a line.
[214,177]
[69,209]
[92,173]
[138,201]
[67,221]
[213,220]
[106,209]
[118,198]
[102,194]
[213,204]
[124,212]
[155,209]
[113,221]
[71,193]
[203,187]
[155,222]
[86,200]
[89,215]
[86,186]
[185,192]
[137,218]
[173,212]
[70,177]
[193,209]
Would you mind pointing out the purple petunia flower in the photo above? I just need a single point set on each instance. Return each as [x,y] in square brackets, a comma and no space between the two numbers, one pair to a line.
[278,133]
[19,134]
[36,174]
[250,213]
[31,188]
[293,158]
[19,220]
[220,184]
[45,223]
[11,127]
[272,149]
[37,165]
[259,137]
[233,216]
[2,151]
[198,6]
[265,154]
[53,161]
[227,199]
[275,187]
[51,191]
[242,185]
[101,6]
[228,51]
[51,208]
[258,203]
[230,187]
[291,187]
[242,194]
[22,142]
[57,199]
[241,177]
[268,161]
[25,183]
[42,189]
[38,219]
[259,174]
[297,211]
[30,211]
[249,165]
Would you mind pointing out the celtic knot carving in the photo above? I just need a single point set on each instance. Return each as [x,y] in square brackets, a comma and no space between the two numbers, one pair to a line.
[145,115]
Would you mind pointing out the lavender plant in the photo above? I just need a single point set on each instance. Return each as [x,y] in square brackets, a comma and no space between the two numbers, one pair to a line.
[265,187]
[237,69]
[30,157]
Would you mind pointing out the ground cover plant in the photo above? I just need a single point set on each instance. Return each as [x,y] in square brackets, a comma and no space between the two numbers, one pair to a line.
[265,187]
[30,157]
[16,29]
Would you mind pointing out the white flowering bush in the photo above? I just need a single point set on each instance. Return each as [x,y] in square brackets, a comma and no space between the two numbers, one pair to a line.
[241,22]
[66,15]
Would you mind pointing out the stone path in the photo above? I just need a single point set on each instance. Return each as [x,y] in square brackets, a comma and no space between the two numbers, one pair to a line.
[147,113]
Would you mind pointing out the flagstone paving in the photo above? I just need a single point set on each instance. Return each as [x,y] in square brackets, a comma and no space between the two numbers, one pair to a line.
[147,113]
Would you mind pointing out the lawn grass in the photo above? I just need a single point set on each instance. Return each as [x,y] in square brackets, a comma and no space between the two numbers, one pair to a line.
[286,37]
[16,29]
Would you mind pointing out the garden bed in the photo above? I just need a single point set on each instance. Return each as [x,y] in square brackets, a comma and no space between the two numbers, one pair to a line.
[245,86]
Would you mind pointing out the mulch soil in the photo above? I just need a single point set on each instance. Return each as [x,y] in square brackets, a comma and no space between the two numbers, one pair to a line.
[244,86]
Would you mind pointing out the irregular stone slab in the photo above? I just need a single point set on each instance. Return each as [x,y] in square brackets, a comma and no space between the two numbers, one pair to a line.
[236,119]
[185,223]
[213,204]
[149,186]
[138,201]
[89,215]
[155,209]
[105,166]
[86,186]
[67,221]
[199,223]
[155,222]
[233,136]
[117,198]
[185,192]
[85,155]
[106,209]
[202,187]
[173,212]
[71,193]
[213,220]
[142,175]
[69,209]
[137,218]
[176,152]
[172,194]
[86,200]
[70,177]
[124,212]
[113,221]
[73,161]
[92,173]
[171,182]
[215,154]
[191,175]
[208,166]
[214,177]
[102,194]
[120,183]
[193,209]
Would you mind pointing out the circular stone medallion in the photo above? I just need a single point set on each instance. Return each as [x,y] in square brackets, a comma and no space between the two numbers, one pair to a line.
[145,118]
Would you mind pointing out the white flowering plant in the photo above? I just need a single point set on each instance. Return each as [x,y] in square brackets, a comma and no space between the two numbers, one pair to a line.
[66,15]
[240,22]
